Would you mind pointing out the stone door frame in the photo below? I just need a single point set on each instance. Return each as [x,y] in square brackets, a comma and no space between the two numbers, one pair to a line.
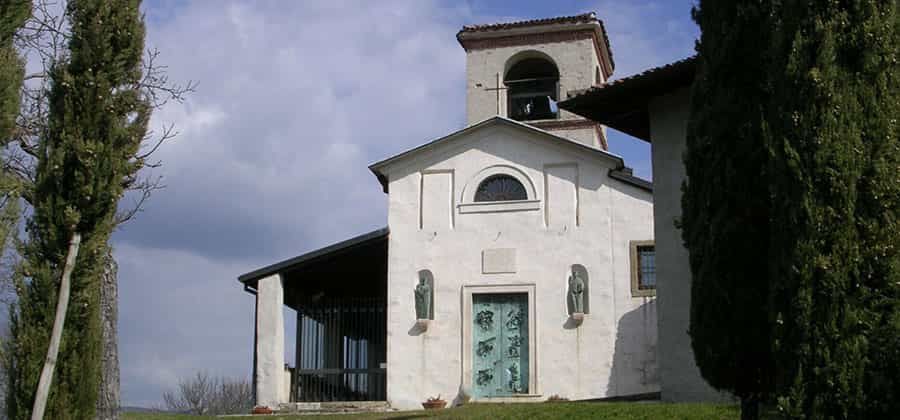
[467,358]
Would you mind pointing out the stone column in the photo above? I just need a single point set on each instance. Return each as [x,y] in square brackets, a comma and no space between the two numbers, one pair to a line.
[270,342]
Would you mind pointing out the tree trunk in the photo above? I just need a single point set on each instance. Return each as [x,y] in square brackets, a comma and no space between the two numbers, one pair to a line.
[43,391]
[749,408]
[108,396]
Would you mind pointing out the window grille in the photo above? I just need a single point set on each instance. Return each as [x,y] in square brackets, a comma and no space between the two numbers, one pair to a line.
[500,188]
[643,268]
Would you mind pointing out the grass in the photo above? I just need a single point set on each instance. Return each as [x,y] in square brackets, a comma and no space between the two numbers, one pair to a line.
[532,411]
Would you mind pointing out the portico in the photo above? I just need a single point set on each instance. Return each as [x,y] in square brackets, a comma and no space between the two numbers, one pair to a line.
[339,296]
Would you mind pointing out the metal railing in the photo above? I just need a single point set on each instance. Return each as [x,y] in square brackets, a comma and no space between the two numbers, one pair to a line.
[340,350]
[341,385]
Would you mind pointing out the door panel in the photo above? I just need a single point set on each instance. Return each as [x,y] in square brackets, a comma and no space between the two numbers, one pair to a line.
[500,344]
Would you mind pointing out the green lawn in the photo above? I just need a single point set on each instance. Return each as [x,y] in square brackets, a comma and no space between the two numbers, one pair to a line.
[572,410]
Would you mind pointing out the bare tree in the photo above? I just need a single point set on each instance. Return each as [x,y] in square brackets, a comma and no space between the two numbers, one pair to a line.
[207,395]
[234,396]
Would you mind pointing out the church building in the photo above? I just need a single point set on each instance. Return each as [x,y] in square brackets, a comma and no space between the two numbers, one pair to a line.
[518,260]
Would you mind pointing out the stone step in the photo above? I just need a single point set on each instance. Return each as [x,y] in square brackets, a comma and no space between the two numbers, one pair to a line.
[336,407]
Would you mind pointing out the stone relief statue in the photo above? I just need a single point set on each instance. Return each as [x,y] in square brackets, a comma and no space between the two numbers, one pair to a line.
[576,292]
[423,296]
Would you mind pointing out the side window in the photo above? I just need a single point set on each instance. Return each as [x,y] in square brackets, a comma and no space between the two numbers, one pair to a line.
[643,268]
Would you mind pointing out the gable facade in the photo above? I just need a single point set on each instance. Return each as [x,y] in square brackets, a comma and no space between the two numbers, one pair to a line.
[575,215]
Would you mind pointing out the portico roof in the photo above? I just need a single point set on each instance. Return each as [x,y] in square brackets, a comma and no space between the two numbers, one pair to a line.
[622,104]
[320,255]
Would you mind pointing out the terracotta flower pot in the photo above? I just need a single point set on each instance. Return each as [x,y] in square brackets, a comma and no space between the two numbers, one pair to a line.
[434,404]
[261,410]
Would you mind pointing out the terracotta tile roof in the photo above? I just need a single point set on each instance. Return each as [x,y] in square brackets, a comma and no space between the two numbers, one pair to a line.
[582,18]
[589,17]
[683,67]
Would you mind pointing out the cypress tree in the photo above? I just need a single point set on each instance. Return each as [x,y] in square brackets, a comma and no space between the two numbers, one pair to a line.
[791,204]
[725,203]
[877,38]
[97,121]
[836,244]
[12,15]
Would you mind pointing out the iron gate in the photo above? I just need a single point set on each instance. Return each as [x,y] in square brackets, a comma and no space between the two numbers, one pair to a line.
[341,350]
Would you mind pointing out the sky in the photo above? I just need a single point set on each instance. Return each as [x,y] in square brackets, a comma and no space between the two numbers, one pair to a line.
[294,100]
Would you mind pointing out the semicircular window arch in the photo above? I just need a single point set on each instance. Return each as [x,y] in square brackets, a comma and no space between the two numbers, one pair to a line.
[500,187]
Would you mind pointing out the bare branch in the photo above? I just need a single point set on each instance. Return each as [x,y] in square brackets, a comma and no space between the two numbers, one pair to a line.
[155,84]
[44,41]
[168,133]
[143,188]
[203,394]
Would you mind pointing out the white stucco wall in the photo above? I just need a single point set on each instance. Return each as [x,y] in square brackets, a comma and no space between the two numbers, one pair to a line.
[597,359]
[269,370]
[576,61]
[680,378]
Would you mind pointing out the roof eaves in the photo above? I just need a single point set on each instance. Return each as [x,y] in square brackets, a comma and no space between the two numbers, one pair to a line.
[627,177]
[313,255]
[377,167]
[609,51]
[582,18]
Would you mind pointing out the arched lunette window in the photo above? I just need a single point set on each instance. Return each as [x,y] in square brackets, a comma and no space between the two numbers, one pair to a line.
[532,89]
[500,188]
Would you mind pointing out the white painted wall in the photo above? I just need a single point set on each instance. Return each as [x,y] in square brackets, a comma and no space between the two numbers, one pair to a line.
[577,63]
[269,370]
[680,378]
[597,359]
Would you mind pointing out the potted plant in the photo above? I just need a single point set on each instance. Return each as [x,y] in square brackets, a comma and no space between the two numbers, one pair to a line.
[556,398]
[434,403]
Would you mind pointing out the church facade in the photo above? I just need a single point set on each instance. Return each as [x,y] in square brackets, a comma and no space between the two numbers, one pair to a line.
[518,260]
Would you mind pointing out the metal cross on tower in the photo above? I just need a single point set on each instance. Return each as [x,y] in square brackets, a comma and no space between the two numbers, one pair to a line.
[497,89]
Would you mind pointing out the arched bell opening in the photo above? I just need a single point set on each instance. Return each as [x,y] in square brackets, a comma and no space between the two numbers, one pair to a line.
[532,84]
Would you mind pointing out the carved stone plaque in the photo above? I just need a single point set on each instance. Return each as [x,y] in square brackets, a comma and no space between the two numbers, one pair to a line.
[498,260]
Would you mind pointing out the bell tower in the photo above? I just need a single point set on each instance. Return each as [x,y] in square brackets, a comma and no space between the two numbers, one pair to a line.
[521,69]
